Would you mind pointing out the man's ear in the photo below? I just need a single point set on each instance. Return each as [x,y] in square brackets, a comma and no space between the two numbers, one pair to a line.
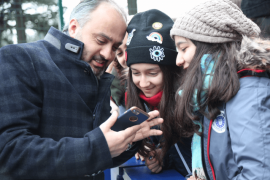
[73,28]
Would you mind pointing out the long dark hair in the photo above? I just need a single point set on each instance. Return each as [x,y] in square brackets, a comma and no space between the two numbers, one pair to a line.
[118,67]
[171,80]
[225,84]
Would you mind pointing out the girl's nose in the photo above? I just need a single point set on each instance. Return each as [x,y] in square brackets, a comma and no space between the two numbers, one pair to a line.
[144,82]
[179,60]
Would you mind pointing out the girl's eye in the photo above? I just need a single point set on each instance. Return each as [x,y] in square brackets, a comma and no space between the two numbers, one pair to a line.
[120,53]
[153,74]
[135,73]
[184,49]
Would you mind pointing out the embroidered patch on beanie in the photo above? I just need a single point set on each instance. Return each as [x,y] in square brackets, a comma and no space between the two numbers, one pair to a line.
[155,36]
[157,25]
[130,36]
[157,53]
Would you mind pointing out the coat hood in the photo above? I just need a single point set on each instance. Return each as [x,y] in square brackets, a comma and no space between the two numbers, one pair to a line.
[254,54]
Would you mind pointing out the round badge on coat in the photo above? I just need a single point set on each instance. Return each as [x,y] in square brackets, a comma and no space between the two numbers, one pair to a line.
[219,124]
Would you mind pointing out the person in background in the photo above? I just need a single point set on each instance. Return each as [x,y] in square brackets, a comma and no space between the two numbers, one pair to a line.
[224,100]
[118,68]
[259,12]
[152,83]
[54,101]
[237,2]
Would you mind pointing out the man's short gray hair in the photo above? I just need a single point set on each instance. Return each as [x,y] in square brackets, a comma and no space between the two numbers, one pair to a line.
[82,12]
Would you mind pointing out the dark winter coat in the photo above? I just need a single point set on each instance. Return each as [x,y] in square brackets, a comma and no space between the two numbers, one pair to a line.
[51,106]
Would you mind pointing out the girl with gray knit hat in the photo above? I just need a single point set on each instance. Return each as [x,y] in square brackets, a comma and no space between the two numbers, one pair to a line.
[224,99]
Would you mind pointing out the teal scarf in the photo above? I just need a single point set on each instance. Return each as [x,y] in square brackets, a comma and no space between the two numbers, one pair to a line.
[207,66]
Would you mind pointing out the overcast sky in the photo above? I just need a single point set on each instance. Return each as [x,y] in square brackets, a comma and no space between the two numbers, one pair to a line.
[171,7]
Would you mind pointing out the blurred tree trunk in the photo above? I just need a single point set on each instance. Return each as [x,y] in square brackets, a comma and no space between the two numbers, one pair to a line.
[3,20]
[16,6]
[132,7]
[38,21]
[1,26]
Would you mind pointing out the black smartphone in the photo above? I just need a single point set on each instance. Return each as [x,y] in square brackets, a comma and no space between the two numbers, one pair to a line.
[131,117]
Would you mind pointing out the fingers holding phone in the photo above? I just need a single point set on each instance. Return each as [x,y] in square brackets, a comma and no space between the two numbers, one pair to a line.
[117,142]
[153,114]
[133,126]
[146,130]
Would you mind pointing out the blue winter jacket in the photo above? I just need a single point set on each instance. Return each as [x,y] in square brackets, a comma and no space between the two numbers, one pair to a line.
[236,144]
[51,106]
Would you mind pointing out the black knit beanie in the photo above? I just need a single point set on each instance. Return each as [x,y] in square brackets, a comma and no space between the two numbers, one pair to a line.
[149,39]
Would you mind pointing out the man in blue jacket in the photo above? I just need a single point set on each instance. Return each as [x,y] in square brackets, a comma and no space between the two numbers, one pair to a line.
[54,101]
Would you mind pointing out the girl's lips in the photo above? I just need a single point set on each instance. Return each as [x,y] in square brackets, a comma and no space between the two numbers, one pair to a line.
[149,89]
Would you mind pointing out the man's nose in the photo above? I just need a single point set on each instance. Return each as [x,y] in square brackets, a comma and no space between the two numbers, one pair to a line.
[107,53]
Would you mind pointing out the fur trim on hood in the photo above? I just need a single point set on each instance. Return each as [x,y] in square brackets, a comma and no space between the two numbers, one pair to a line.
[254,54]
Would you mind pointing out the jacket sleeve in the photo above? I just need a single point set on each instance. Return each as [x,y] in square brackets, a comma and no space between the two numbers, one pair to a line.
[248,115]
[23,153]
[126,155]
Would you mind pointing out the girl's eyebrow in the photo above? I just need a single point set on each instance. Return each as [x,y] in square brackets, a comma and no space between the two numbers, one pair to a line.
[180,42]
[153,68]
[146,69]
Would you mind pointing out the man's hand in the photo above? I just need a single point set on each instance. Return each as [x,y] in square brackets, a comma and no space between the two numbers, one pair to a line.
[145,130]
[118,142]
[153,163]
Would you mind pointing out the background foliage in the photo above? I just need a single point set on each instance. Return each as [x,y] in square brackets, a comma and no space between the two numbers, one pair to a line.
[26,20]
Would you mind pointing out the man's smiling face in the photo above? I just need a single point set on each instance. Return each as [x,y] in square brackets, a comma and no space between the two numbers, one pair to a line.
[101,35]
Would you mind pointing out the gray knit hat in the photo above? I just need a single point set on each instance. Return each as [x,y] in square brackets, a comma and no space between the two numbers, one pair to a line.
[214,21]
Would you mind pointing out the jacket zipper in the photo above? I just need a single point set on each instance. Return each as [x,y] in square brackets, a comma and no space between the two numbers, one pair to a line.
[203,159]
[208,149]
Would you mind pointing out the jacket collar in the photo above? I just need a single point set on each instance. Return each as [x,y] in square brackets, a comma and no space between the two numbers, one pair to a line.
[71,47]
[66,44]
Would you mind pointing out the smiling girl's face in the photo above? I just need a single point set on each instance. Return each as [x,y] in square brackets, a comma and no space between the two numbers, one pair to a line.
[186,51]
[148,78]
